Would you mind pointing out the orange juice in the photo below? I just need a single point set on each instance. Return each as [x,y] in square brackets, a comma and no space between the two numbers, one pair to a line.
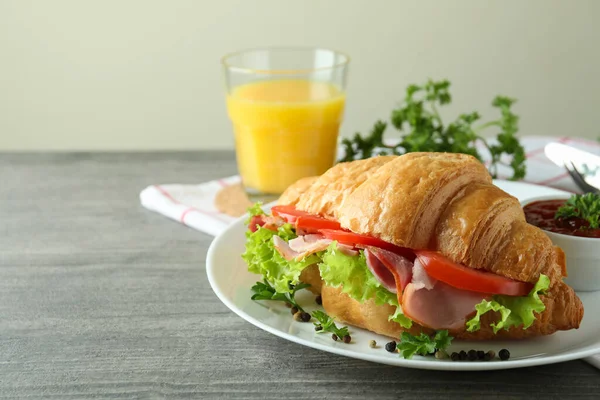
[284,130]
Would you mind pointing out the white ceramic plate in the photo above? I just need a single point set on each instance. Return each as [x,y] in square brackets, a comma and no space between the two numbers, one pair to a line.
[229,278]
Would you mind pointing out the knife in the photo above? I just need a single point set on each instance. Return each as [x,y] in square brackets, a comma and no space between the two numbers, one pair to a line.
[587,164]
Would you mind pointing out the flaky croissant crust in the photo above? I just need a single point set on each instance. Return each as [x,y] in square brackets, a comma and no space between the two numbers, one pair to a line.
[444,202]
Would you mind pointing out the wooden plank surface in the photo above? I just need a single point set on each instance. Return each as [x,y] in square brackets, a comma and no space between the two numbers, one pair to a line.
[100,298]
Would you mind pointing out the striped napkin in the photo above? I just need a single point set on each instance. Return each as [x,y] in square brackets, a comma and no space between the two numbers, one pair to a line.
[193,205]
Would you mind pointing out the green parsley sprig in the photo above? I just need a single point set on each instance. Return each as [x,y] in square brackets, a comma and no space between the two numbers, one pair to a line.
[423,344]
[422,129]
[264,291]
[585,206]
[327,324]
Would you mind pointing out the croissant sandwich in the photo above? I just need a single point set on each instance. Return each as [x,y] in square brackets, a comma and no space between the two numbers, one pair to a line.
[417,243]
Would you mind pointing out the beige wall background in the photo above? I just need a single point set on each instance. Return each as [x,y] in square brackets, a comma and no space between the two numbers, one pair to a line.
[130,74]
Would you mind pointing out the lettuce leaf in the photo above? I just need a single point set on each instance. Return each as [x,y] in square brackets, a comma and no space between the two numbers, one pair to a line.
[351,272]
[514,311]
[254,210]
[400,318]
[262,258]
[357,281]
[337,269]
[384,296]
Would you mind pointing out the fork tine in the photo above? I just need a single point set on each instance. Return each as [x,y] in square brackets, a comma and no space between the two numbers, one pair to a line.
[579,180]
[574,176]
[584,185]
[591,188]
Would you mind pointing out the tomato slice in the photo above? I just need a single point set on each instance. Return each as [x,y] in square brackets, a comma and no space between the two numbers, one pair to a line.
[255,222]
[354,239]
[315,223]
[289,213]
[441,268]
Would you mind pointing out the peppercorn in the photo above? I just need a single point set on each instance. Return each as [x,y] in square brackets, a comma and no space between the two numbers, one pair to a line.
[372,344]
[301,316]
[390,346]
[480,354]
[294,310]
[319,300]
[489,355]
[347,339]
[472,355]
[334,337]
[504,354]
[318,328]
[463,355]
[441,354]
[455,356]
[305,317]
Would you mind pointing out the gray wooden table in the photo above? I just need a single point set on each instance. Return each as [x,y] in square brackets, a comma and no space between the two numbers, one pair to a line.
[100,298]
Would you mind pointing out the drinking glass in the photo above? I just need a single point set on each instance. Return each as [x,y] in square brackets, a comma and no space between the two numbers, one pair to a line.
[286,106]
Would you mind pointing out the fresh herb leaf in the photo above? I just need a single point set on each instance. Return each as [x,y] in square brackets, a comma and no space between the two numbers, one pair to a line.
[328,324]
[410,345]
[371,145]
[586,206]
[422,129]
[264,291]
[442,339]
[423,344]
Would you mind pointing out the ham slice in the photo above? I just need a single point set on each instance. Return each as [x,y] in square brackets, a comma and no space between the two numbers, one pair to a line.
[267,222]
[381,273]
[399,267]
[284,248]
[300,247]
[441,307]
[272,222]
[347,250]
[420,278]
[309,243]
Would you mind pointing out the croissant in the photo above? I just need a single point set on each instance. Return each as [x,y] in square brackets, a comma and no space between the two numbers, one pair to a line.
[442,202]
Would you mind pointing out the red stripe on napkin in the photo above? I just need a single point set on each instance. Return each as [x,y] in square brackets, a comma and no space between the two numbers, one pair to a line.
[553,179]
[183,214]
[209,213]
[166,194]
[188,210]
[534,152]
[579,140]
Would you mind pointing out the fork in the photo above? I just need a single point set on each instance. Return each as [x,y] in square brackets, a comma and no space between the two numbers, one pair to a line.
[579,179]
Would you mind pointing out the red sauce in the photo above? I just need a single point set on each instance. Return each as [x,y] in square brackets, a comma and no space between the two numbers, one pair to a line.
[541,214]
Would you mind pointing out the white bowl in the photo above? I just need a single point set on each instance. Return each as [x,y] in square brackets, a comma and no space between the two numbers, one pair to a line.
[583,254]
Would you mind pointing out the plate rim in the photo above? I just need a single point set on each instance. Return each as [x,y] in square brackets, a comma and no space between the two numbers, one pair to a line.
[399,362]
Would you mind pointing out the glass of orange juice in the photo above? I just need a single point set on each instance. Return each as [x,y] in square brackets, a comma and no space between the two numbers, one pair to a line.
[286,106]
